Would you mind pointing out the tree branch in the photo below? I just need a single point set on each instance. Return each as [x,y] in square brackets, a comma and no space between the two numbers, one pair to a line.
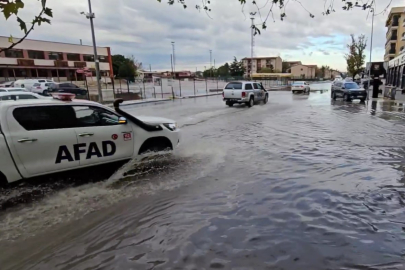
[37,21]
[22,39]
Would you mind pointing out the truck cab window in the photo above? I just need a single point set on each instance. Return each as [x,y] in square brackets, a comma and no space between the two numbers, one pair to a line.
[94,116]
[45,117]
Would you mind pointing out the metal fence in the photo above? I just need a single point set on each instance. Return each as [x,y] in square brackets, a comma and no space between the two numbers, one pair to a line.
[146,89]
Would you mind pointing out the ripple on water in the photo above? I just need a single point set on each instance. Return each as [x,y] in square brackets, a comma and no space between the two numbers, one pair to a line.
[302,189]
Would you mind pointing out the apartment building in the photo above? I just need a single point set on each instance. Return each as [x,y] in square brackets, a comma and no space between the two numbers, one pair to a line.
[255,64]
[395,36]
[45,59]
[303,71]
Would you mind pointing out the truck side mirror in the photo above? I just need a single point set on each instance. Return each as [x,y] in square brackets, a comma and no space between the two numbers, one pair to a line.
[122,121]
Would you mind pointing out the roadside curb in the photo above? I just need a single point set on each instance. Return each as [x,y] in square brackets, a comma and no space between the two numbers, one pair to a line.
[140,102]
[197,96]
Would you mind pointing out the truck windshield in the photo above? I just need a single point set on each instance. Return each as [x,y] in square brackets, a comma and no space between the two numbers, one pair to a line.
[234,86]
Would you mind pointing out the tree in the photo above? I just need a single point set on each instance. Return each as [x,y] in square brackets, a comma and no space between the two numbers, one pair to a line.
[127,71]
[236,68]
[10,9]
[127,64]
[209,73]
[356,58]
[223,71]
[117,61]
[282,5]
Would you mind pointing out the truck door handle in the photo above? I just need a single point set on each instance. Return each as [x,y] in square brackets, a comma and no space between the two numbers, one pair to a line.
[27,140]
[86,134]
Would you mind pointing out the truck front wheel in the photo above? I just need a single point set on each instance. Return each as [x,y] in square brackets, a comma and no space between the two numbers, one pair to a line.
[3,180]
[156,144]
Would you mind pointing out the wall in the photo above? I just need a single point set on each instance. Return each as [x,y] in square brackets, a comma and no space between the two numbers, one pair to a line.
[279,64]
[401,31]
[308,72]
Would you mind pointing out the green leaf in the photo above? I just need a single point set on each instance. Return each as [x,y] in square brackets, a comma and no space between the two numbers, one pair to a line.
[23,26]
[48,12]
[46,20]
[8,9]
[19,4]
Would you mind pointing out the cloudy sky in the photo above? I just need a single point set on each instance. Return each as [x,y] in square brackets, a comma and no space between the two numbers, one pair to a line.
[145,29]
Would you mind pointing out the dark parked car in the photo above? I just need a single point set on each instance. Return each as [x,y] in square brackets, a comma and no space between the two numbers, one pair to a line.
[68,88]
[348,91]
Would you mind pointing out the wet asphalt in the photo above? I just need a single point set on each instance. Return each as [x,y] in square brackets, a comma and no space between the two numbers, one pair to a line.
[302,182]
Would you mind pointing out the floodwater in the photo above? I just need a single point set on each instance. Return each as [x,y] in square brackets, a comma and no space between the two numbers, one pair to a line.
[300,183]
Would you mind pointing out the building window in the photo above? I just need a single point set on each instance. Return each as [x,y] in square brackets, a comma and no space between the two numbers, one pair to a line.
[73,57]
[36,54]
[56,56]
[88,58]
[103,59]
[14,53]
[302,69]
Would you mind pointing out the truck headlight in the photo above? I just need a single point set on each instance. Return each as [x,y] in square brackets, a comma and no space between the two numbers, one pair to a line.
[171,126]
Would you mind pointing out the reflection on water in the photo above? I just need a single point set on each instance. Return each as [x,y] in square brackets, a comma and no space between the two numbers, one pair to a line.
[314,185]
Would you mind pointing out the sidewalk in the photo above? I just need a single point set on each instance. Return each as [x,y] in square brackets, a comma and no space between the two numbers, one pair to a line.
[279,88]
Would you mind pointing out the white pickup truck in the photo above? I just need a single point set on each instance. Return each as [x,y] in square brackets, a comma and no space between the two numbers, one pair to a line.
[244,92]
[46,136]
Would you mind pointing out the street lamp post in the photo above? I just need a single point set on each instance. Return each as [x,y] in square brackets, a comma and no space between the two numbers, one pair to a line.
[174,59]
[371,49]
[90,15]
[211,62]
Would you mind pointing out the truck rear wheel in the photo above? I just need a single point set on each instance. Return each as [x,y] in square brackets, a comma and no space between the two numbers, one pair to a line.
[251,102]
[266,99]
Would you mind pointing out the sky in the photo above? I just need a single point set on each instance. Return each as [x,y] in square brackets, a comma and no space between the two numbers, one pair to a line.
[145,29]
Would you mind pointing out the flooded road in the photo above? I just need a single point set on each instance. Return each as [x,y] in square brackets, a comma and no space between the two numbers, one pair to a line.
[300,183]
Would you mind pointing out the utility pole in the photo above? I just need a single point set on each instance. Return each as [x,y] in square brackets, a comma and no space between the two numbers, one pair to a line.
[252,38]
[371,49]
[174,58]
[90,15]
[211,62]
[214,64]
[252,43]
[150,67]
[171,61]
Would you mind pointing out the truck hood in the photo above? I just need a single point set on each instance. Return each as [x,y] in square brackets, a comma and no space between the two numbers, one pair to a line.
[154,120]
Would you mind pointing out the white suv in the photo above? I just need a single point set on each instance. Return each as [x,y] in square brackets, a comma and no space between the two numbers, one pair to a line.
[244,92]
[42,88]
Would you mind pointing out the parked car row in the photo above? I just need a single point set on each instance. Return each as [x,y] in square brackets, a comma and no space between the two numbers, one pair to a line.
[44,86]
